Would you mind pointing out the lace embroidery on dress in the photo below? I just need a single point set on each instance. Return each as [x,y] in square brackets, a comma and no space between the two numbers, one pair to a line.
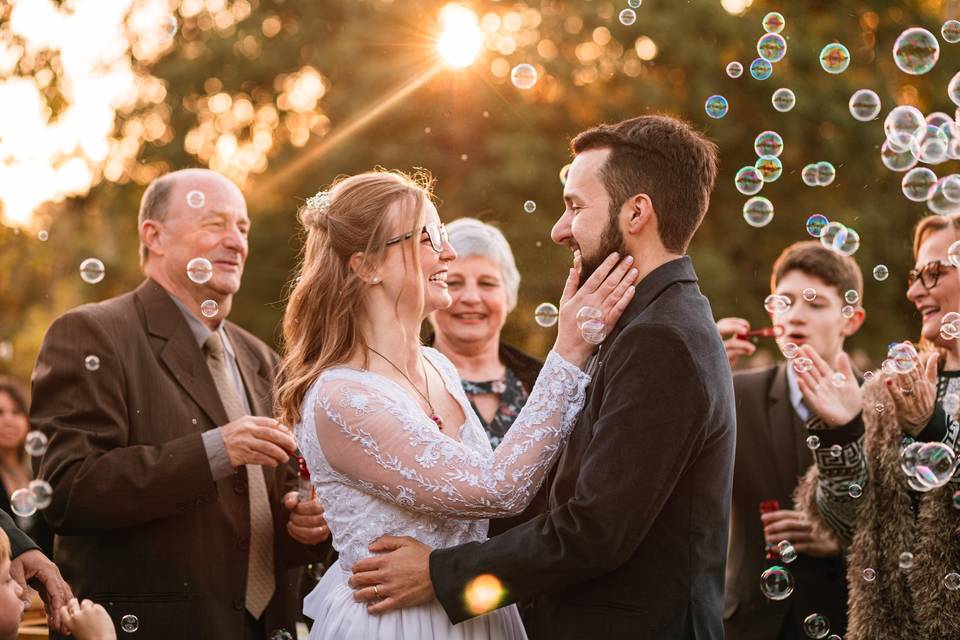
[381,467]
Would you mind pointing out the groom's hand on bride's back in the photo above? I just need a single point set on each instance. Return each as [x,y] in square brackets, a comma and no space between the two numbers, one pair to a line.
[396,577]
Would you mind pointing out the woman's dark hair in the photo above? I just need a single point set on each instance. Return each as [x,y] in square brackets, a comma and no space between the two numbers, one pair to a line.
[18,393]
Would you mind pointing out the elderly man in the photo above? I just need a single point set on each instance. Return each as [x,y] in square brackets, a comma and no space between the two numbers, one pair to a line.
[169,481]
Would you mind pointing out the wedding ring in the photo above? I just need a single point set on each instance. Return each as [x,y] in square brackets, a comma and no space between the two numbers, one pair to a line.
[376,590]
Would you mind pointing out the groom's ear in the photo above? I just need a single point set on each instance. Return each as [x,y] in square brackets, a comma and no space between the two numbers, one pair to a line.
[361,266]
[639,213]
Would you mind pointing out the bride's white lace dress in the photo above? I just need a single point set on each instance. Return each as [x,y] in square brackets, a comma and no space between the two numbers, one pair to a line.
[381,467]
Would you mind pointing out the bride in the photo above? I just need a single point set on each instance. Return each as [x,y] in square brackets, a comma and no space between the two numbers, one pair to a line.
[389,437]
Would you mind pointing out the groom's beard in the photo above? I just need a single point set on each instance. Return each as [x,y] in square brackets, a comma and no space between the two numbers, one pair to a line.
[610,241]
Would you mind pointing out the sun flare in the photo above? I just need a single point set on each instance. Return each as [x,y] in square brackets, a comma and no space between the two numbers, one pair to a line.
[461,39]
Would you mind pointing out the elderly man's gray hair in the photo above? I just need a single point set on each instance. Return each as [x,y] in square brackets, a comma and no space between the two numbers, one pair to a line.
[470,237]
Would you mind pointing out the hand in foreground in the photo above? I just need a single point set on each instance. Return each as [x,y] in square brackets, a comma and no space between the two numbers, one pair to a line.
[307,524]
[88,621]
[734,345]
[794,527]
[836,404]
[398,577]
[609,289]
[257,440]
[34,567]
[914,394]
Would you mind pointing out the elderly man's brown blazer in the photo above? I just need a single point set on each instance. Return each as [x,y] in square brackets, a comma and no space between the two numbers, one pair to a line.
[142,528]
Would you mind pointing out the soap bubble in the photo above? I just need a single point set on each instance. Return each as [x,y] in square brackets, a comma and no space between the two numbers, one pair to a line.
[869,574]
[953,89]
[932,146]
[902,124]
[952,581]
[588,313]
[847,244]
[953,254]
[868,376]
[758,211]
[42,493]
[564,170]
[772,47]
[129,623]
[734,69]
[950,31]
[634,4]
[956,499]
[716,106]
[209,308]
[200,270]
[864,105]
[951,187]
[769,167]
[851,296]
[816,223]
[847,311]
[906,560]
[22,504]
[896,160]
[836,451]
[760,69]
[92,271]
[776,583]
[809,294]
[916,51]
[838,379]
[529,206]
[802,364]
[816,626]
[776,304]
[810,175]
[790,351]
[628,17]
[903,356]
[783,100]
[773,22]
[938,202]
[936,463]
[768,143]
[35,444]
[833,232]
[749,181]
[196,199]
[834,58]
[43,235]
[825,173]
[91,363]
[918,184]
[523,76]
[854,490]
[787,552]
[880,272]
[593,331]
[813,442]
[546,314]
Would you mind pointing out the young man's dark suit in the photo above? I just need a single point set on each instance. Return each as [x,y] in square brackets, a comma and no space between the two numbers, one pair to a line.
[633,544]
[142,527]
[772,455]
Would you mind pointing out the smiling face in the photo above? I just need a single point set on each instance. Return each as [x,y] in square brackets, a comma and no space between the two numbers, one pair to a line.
[11,606]
[479,302]
[13,423]
[944,296]
[404,281]
[585,223]
[217,231]
[818,322]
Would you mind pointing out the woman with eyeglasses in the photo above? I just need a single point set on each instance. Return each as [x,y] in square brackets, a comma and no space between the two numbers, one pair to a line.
[390,439]
[900,523]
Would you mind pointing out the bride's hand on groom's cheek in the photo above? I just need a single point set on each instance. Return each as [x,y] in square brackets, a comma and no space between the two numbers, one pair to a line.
[609,289]
[398,576]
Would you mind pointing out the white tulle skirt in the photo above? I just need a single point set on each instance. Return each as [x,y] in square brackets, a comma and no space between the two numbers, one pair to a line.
[336,616]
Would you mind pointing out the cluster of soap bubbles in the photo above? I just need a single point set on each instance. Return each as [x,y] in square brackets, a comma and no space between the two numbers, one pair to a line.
[590,323]
[950,325]
[771,48]
[818,174]
[902,358]
[928,465]
[25,502]
[802,364]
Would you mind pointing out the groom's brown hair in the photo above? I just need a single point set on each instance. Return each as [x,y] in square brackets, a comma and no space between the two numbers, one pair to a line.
[663,157]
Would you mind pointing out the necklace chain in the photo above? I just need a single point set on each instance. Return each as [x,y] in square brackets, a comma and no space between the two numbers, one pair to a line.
[433,413]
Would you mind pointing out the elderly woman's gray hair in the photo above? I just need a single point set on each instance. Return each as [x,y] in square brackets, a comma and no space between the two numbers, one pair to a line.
[470,237]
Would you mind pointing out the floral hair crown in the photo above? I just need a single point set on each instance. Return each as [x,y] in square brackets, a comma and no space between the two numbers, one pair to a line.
[320,202]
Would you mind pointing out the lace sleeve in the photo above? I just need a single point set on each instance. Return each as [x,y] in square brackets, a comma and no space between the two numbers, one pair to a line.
[380,444]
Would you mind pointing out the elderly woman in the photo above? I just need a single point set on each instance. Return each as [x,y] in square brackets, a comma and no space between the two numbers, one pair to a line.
[483,282]
[904,553]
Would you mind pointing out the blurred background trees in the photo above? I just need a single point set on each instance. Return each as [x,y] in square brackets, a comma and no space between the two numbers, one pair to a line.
[264,91]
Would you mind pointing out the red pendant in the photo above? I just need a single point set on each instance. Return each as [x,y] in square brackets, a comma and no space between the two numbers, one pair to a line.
[438,420]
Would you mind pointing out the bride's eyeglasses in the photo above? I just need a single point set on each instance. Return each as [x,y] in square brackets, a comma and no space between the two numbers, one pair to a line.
[436,232]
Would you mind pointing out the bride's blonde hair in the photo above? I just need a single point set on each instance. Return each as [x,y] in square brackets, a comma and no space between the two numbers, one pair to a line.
[321,324]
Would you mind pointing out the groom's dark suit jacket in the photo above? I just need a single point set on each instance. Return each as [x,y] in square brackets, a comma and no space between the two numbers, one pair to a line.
[634,541]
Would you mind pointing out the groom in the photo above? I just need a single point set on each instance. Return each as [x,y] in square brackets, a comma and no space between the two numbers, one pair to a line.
[633,542]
